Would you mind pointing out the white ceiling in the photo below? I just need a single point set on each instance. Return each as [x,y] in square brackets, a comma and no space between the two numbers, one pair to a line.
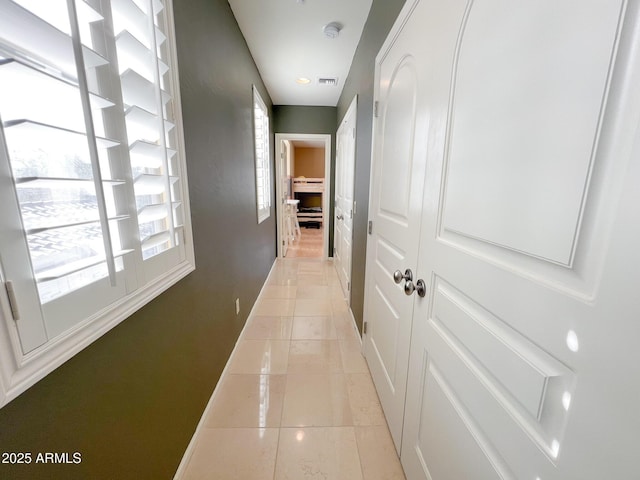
[286,40]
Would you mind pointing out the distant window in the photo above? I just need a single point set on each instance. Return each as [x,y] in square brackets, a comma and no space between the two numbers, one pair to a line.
[263,160]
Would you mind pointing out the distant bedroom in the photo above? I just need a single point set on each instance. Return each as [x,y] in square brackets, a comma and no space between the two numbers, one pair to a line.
[305,219]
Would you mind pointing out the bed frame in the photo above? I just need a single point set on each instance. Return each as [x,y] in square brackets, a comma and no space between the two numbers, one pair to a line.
[309,185]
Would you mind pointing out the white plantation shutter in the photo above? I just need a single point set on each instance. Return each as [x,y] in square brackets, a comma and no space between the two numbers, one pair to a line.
[147,96]
[263,159]
[92,182]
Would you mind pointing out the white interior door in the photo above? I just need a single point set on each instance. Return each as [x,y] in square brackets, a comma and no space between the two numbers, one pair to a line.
[524,361]
[395,209]
[343,205]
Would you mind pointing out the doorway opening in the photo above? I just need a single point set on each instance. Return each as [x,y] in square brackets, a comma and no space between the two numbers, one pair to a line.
[303,185]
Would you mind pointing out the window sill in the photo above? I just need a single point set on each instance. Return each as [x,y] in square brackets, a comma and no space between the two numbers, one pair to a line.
[19,372]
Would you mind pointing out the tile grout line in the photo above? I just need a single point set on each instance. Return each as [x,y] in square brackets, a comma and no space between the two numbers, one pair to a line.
[284,395]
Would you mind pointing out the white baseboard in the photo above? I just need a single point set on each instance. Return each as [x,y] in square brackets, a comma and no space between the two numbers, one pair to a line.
[355,326]
[192,444]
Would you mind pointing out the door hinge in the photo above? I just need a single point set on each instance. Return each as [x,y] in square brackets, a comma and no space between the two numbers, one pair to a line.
[370,227]
[364,328]
[354,207]
[353,131]
[375,108]
[348,286]
[13,302]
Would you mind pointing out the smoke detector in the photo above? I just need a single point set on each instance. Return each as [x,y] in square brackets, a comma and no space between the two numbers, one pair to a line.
[332,30]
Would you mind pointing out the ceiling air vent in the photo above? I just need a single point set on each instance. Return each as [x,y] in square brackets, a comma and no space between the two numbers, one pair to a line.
[331,81]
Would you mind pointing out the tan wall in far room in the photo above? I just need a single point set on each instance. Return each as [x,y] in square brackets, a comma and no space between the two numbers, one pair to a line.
[309,162]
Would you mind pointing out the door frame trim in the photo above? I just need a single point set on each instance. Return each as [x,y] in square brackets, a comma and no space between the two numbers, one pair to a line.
[352,111]
[327,201]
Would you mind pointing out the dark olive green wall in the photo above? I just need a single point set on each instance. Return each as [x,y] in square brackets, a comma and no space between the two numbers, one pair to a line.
[360,81]
[304,119]
[312,120]
[130,402]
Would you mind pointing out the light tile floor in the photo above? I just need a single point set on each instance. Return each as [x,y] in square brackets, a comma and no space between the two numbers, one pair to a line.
[297,400]
[308,244]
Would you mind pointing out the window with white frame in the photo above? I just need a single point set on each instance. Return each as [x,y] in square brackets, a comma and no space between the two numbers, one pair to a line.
[93,193]
[263,157]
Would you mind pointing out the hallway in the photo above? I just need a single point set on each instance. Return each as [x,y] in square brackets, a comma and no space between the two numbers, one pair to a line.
[296,400]
[308,244]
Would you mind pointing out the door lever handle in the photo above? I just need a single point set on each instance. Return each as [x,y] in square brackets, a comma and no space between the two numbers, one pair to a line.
[398,276]
[340,217]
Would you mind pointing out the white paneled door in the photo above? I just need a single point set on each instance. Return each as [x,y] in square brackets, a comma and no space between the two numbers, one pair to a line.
[395,210]
[344,206]
[523,358]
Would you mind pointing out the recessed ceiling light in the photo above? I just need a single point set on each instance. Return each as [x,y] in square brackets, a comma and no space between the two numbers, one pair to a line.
[303,80]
